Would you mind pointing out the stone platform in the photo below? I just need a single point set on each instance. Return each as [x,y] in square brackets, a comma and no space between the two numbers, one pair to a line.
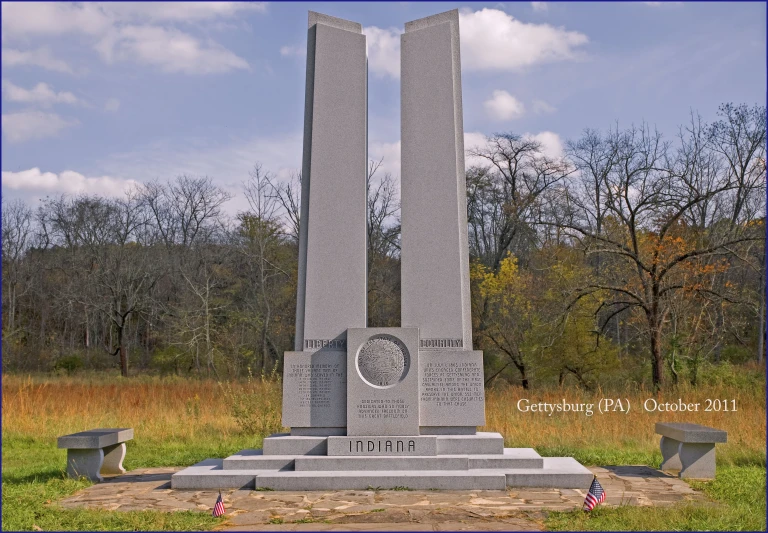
[454,462]
[381,510]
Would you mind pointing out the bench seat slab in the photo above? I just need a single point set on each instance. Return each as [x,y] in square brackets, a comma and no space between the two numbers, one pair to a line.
[95,438]
[684,432]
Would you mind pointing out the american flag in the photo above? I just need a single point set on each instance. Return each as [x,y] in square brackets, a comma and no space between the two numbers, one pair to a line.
[596,495]
[218,508]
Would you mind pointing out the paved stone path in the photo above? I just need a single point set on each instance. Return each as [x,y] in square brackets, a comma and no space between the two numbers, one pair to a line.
[488,510]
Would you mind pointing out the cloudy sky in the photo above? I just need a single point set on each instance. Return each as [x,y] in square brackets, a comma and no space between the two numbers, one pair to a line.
[98,96]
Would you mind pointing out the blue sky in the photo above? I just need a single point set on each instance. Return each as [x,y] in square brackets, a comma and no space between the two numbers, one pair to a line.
[98,96]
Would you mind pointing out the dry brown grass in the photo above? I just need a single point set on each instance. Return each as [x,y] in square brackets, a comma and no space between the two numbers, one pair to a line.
[632,431]
[186,410]
[156,409]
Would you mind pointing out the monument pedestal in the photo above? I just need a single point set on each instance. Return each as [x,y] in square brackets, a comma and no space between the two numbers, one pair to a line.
[451,462]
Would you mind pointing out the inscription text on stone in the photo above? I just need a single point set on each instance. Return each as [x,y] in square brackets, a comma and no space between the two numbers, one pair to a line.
[426,344]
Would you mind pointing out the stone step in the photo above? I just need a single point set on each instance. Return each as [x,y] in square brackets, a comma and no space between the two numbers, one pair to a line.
[511,458]
[479,443]
[557,473]
[287,444]
[362,480]
[209,474]
[256,460]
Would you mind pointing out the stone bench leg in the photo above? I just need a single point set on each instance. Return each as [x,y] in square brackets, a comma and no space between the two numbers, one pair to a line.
[85,463]
[669,453]
[698,460]
[113,459]
[92,463]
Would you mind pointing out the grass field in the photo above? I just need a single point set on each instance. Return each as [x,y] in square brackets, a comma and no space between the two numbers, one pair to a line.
[178,422]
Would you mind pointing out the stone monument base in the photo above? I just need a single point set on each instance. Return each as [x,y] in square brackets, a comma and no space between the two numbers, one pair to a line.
[451,462]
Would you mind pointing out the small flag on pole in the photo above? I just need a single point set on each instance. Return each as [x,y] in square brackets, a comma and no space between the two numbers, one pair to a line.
[595,496]
[218,508]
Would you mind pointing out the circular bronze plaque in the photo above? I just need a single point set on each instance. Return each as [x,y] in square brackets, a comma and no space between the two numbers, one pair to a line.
[383,361]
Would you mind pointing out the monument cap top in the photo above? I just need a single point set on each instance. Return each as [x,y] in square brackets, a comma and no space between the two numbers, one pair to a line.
[433,20]
[327,20]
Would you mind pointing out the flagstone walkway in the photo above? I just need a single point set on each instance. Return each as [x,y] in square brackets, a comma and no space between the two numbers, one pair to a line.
[488,510]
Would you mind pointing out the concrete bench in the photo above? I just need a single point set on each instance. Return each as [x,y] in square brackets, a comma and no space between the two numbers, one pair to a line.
[689,448]
[96,452]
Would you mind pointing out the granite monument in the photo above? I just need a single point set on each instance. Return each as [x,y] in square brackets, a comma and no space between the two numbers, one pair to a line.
[383,407]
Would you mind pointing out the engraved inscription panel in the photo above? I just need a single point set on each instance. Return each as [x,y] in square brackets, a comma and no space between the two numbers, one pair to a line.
[451,392]
[383,383]
[314,382]
[452,384]
[314,389]
[383,361]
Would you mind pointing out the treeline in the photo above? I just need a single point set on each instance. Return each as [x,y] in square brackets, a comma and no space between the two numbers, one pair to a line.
[631,258]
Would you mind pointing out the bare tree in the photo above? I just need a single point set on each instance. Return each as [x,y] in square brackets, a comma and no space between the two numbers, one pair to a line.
[101,235]
[383,211]
[260,236]
[18,236]
[288,195]
[647,197]
[503,196]
[185,209]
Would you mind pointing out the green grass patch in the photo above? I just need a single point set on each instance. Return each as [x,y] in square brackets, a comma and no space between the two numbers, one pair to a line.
[34,481]
[738,495]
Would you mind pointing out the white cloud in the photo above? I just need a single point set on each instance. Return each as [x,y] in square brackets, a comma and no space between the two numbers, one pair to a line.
[540,6]
[52,18]
[169,49]
[551,144]
[540,106]
[180,11]
[130,31]
[227,162]
[112,104]
[41,94]
[29,125]
[472,141]
[67,182]
[39,58]
[389,154]
[494,40]
[297,50]
[95,18]
[490,40]
[503,106]
[383,51]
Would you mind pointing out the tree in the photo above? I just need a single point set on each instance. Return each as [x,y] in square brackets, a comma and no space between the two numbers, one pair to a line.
[504,195]
[509,317]
[383,248]
[654,251]
[260,241]
[101,235]
[17,238]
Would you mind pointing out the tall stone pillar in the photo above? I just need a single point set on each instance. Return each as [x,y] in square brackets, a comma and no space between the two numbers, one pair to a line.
[332,281]
[435,254]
